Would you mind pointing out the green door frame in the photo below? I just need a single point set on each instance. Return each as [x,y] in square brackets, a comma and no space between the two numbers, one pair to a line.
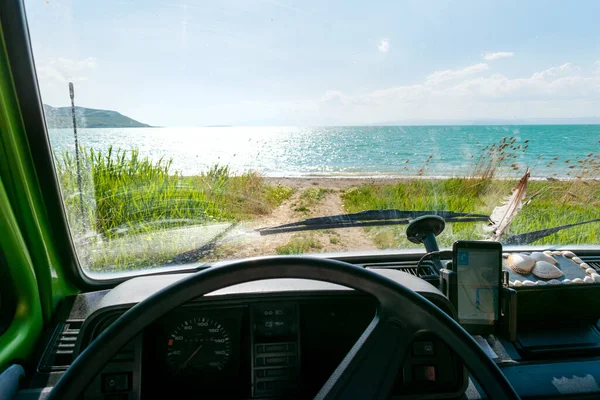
[33,256]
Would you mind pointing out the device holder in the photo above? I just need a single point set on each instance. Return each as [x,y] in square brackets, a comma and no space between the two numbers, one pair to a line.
[508,313]
[449,284]
[507,325]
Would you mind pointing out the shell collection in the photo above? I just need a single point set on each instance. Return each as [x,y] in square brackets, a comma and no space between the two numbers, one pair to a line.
[543,257]
[546,270]
[521,263]
[543,265]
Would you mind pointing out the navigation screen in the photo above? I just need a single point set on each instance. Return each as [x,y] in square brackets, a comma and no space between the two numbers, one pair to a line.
[478,285]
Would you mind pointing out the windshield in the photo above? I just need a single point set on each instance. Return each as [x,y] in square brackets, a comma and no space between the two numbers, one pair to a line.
[183,132]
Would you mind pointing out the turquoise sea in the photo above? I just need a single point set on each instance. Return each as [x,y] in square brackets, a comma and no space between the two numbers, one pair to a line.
[348,151]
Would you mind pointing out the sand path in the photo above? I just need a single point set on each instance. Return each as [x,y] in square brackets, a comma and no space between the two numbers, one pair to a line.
[245,242]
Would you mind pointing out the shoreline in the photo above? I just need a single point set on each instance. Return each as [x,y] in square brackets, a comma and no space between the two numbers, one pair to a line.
[343,182]
[393,178]
[390,177]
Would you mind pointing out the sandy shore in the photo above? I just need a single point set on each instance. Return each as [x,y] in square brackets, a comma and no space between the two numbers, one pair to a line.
[341,183]
[335,183]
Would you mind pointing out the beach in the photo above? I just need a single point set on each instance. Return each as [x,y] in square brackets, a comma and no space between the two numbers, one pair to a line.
[133,195]
[338,197]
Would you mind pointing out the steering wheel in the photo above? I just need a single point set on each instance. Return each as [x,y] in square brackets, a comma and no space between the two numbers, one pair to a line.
[368,370]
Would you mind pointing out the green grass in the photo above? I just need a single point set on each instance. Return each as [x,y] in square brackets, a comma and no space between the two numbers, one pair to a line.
[309,198]
[555,203]
[299,244]
[125,194]
[278,194]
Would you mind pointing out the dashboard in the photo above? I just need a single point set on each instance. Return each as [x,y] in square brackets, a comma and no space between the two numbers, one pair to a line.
[279,338]
[283,338]
[286,348]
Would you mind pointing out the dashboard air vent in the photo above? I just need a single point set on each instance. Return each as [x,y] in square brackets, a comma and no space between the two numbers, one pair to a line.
[59,354]
[408,267]
[594,264]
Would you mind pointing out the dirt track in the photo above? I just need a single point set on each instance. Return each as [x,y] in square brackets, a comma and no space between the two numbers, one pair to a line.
[244,242]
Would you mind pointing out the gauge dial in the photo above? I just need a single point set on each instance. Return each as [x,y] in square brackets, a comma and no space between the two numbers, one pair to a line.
[198,345]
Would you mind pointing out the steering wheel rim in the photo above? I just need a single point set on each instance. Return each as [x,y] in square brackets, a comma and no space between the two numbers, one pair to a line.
[367,371]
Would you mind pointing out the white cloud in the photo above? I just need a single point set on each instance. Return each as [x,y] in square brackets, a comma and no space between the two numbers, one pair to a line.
[561,71]
[66,69]
[497,55]
[383,46]
[55,73]
[438,77]
[560,91]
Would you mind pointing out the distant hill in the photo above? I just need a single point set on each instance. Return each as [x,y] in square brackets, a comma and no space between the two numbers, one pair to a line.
[60,117]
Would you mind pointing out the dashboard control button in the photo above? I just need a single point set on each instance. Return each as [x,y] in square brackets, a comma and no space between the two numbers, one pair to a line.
[276,348]
[118,382]
[276,372]
[423,348]
[424,373]
[276,385]
[276,360]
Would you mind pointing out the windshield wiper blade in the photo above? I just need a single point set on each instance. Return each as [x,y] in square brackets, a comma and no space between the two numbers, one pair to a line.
[528,237]
[369,218]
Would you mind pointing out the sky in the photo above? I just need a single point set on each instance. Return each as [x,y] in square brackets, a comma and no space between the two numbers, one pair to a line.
[278,62]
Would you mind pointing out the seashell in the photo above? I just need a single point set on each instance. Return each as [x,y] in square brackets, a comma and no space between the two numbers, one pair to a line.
[527,282]
[553,282]
[584,265]
[537,256]
[595,277]
[568,254]
[557,253]
[567,281]
[590,271]
[577,260]
[520,263]
[577,280]
[505,255]
[518,283]
[540,283]
[548,253]
[545,270]
[588,279]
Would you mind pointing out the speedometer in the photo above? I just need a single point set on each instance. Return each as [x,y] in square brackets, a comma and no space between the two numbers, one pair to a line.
[198,345]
